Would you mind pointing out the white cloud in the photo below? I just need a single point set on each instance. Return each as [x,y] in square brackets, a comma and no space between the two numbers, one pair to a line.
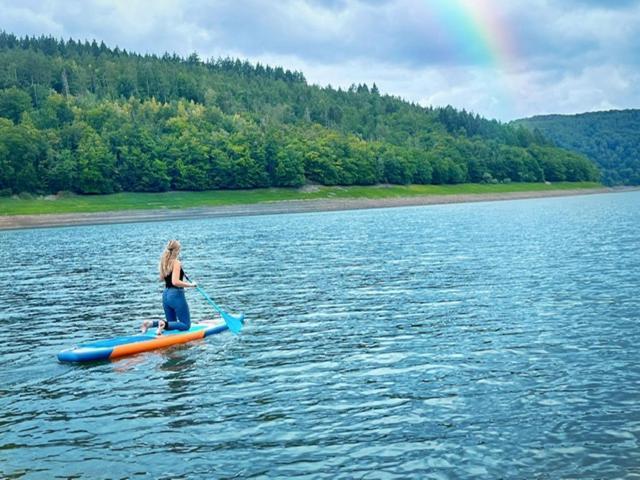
[22,20]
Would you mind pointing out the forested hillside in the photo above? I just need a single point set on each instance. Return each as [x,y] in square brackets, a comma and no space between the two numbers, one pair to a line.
[611,139]
[83,117]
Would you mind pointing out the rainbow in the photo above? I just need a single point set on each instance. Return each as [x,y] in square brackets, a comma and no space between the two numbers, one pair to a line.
[471,33]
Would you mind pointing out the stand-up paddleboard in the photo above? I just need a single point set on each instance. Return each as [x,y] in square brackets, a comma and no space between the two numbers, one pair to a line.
[121,346]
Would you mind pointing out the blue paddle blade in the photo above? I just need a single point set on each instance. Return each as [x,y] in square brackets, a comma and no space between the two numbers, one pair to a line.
[234,323]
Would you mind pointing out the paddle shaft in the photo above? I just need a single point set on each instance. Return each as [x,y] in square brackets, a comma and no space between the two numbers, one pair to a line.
[204,294]
[234,324]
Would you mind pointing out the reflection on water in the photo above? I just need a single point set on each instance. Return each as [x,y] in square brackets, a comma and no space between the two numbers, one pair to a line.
[493,340]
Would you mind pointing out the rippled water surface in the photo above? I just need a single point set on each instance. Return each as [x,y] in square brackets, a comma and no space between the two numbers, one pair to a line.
[488,340]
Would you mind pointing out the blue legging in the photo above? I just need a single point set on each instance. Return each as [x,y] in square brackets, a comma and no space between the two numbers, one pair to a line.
[176,310]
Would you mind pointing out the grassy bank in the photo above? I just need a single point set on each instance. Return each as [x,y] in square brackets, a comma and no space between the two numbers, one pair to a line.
[176,200]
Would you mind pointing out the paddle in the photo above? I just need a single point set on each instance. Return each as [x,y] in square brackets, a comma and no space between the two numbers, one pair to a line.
[234,323]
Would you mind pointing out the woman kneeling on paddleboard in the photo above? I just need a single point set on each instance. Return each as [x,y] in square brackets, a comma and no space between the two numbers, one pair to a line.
[176,310]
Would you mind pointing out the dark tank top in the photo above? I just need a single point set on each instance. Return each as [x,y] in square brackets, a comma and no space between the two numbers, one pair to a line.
[167,279]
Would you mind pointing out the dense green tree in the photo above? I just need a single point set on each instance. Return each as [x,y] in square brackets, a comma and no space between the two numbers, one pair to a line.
[289,169]
[13,102]
[22,157]
[84,117]
[611,139]
[398,166]
[96,164]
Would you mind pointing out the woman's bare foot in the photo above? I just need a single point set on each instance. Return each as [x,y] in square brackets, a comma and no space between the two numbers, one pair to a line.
[161,325]
[145,326]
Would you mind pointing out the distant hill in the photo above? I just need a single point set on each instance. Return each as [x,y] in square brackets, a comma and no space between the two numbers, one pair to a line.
[88,118]
[611,139]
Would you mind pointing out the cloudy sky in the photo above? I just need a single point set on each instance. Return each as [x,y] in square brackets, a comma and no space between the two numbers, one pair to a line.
[503,59]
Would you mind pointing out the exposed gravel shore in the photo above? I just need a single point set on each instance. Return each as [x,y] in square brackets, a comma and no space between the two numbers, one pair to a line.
[270,208]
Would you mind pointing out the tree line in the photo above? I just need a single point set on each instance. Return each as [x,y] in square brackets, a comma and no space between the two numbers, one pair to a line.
[82,117]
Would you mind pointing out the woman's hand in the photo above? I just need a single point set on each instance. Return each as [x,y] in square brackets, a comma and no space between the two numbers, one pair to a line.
[194,284]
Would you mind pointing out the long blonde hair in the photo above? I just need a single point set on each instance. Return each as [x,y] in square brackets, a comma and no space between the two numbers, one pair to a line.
[169,255]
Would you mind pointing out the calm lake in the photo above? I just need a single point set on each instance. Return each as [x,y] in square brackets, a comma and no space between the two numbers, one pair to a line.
[486,340]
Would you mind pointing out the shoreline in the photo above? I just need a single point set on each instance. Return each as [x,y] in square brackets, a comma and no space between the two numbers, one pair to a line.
[17,222]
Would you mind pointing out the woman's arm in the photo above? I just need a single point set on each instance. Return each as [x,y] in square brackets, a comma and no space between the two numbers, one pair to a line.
[175,276]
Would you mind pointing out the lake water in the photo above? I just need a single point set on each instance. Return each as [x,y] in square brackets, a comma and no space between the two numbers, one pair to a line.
[487,340]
